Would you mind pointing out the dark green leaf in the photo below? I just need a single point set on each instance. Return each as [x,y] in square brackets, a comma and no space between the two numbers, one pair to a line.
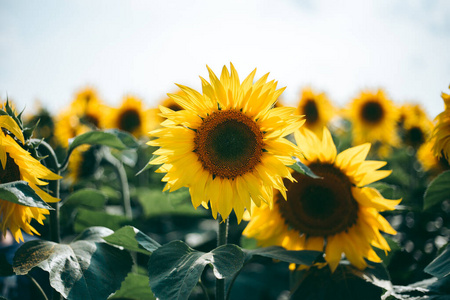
[112,138]
[375,273]
[87,218]
[394,248]
[85,269]
[437,191]
[132,239]
[134,287]
[19,192]
[440,266]
[304,257]
[303,169]
[5,267]
[175,268]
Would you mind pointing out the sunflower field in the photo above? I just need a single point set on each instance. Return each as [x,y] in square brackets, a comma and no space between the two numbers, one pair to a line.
[225,193]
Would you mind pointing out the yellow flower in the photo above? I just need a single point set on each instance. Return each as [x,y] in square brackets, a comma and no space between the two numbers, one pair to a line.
[317,110]
[373,118]
[84,113]
[441,132]
[336,213]
[416,126]
[130,117]
[17,164]
[227,144]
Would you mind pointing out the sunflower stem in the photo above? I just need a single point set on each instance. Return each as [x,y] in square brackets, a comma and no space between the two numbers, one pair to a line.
[38,286]
[120,170]
[221,240]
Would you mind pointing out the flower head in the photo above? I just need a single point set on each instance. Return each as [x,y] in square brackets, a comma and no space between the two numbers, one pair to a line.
[336,213]
[415,125]
[17,164]
[441,133]
[227,144]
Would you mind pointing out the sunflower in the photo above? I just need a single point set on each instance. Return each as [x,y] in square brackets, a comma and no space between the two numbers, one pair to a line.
[335,213]
[84,113]
[166,102]
[415,125]
[130,117]
[316,108]
[227,145]
[374,119]
[441,132]
[17,164]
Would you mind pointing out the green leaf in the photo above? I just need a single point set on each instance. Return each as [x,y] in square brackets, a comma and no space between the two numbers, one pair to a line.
[133,239]
[175,268]
[303,169]
[394,248]
[87,218]
[112,138]
[303,257]
[5,267]
[85,197]
[85,269]
[134,287]
[437,191]
[19,192]
[440,266]
[375,274]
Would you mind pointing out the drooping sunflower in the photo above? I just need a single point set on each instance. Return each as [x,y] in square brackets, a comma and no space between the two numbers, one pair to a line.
[441,132]
[316,108]
[84,113]
[227,144]
[17,164]
[415,126]
[131,116]
[374,118]
[336,213]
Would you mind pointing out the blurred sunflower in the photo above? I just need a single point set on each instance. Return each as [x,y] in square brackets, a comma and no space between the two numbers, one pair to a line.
[441,132]
[130,116]
[430,162]
[84,161]
[415,125]
[316,108]
[17,164]
[373,118]
[84,114]
[227,145]
[336,213]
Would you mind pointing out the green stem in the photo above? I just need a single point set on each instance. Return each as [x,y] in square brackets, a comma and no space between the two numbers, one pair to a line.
[221,240]
[205,291]
[38,286]
[120,170]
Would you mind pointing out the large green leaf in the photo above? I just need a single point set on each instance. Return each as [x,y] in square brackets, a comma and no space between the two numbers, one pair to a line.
[86,197]
[438,190]
[175,268]
[304,257]
[88,268]
[87,218]
[133,239]
[303,169]
[134,287]
[112,138]
[440,266]
[19,192]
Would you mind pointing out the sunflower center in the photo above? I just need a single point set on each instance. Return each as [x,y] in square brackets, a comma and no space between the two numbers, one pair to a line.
[129,120]
[372,112]
[11,172]
[414,136]
[90,119]
[228,144]
[319,207]
[311,112]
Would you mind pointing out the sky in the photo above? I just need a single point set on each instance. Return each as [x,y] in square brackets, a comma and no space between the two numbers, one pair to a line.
[51,49]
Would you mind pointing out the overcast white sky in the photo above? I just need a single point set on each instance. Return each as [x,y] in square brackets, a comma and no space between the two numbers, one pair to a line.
[49,49]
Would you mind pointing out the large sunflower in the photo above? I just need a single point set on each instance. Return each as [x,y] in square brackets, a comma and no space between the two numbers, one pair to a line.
[227,145]
[131,116]
[441,132]
[336,213]
[415,125]
[17,164]
[374,118]
[316,108]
